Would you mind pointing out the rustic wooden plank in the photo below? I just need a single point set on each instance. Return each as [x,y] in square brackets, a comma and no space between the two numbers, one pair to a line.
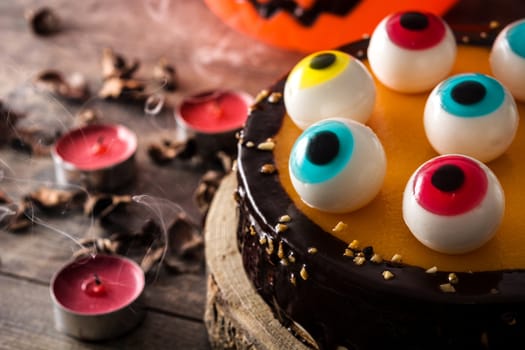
[26,322]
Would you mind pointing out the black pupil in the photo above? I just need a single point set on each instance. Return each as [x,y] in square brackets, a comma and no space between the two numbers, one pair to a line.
[448,178]
[414,21]
[322,148]
[468,92]
[323,60]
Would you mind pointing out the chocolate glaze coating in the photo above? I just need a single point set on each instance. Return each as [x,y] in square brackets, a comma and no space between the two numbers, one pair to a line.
[341,303]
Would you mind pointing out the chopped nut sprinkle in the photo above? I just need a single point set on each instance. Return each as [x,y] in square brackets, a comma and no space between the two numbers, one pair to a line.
[465,39]
[268,169]
[304,273]
[312,250]
[249,144]
[339,227]
[285,218]
[376,258]
[387,275]
[284,261]
[266,146]
[275,97]
[354,244]
[359,260]
[269,249]
[447,288]
[453,278]
[261,96]
[348,252]
[280,250]
[291,257]
[252,230]
[262,240]
[433,269]
[292,279]
[483,35]
[281,227]
[397,258]
[494,24]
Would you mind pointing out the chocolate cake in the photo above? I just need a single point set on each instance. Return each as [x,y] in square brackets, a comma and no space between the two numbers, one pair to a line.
[361,280]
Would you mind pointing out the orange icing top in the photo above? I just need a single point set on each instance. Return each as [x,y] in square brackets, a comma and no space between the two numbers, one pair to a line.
[398,122]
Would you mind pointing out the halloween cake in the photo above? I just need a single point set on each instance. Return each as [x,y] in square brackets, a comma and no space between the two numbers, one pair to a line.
[380,191]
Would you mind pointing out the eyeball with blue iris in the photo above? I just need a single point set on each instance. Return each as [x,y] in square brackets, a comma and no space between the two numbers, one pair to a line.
[453,204]
[329,84]
[507,58]
[411,52]
[471,114]
[337,165]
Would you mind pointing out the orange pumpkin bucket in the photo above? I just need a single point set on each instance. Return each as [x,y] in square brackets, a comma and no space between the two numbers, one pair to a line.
[312,25]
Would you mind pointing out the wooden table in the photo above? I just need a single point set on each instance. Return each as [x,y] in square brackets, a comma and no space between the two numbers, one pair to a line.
[206,55]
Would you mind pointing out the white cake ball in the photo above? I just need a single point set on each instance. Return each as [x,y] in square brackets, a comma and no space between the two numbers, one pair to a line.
[411,51]
[329,84]
[453,204]
[507,58]
[471,114]
[337,165]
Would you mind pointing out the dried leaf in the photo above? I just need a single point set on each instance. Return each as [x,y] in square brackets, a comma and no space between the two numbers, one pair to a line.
[165,75]
[152,258]
[206,189]
[8,120]
[72,88]
[54,199]
[115,65]
[102,204]
[20,221]
[167,150]
[186,247]
[43,21]
[87,116]
[119,88]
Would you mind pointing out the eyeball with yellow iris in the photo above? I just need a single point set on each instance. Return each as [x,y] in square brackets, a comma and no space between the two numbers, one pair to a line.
[453,204]
[471,114]
[337,165]
[329,84]
[411,51]
[507,58]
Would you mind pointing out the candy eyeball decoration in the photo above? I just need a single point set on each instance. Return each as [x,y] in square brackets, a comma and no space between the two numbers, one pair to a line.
[471,114]
[411,52]
[507,58]
[453,204]
[337,165]
[329,84]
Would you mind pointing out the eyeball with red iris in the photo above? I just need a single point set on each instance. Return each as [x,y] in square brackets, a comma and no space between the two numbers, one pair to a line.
[411,51]
[507,58]
[471,114]
[329,84]
[453,204]
[337,165]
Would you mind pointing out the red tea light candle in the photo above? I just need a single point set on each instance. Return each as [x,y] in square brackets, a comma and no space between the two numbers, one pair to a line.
[98,298]
[213,118]
[97,156]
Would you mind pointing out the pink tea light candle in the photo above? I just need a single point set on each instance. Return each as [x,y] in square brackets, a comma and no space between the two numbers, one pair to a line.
[213,118]
[98,298]
[97,156]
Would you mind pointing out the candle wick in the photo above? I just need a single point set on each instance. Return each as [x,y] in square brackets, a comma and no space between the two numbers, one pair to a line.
[97,279]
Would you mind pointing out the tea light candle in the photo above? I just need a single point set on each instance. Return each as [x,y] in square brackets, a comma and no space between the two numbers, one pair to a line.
[213,118]
[98,298]
[97,156]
